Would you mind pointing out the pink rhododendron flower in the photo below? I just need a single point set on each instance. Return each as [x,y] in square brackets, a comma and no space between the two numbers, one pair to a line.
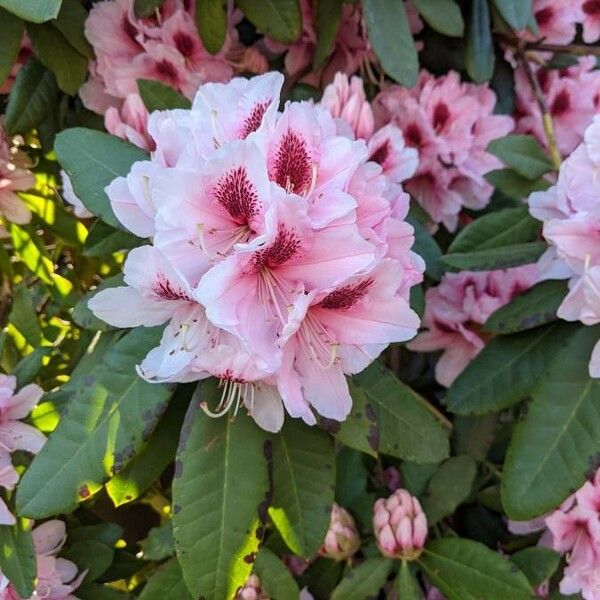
[252,590]
[571,214]
[573,529]
[130,122]
[15,435]
[400,526]
[450,124]
[275,266]
[342,539]
[556,21]
[590,19]
[13,179]
[571,95]
[68,195]
[457,307]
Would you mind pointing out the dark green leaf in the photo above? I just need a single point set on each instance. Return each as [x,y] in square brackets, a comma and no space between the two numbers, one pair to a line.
[108,419]
[473,435]
[502,228]
[90,555]
[535,307]
[220,481]
[496,258]
[427,248]
[407,427]
[479,58]
[513,185]
[442,15]
[159,544]
[556,445]
[506,370]
[360,430]
[53,50]
[363,581]
[144,8]
[23,316]
[96,591]
[466,570]
[71,23]
[92,159]
[416,476]
[389,34]
[329,14]
[277,19]
[515,12]
[36,11]
[11,34]
[303,486]
[449,487]
[523,154]
[537,563]
[275,578]
[158,96]
[408,587]
[103,240]
[105,533]
[17,557]
[30,365]
[166,584]
[32,96]
[211,20]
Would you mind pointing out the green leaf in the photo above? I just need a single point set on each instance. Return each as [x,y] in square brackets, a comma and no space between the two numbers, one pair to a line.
[11,34]
[82,313]
[515,12]
[360,429]
[107,420]
[506,370]
[523,154]
[408,587]
[23,316]
[90,555]
[556,445]
[159,544]
[103,240]
[496,258]
[513,185]
[495,230]
[533,308]
[154,457]
[275,578]
[53,50]
[363,581]
[474,435]
[105,533]
[158,96]
[303,486]
[17,557]
[329,14]
[442,15]
[36,11]
[389,34]
[427,248]
[166,584]
[479,57]
[92,159]
[30,366]
[407,427]
[220,481]
[277,19]
[33,95]
[96,591]
[71,23]
[449,487]
[144,8]
[537,563]
[466,570]
[211,21]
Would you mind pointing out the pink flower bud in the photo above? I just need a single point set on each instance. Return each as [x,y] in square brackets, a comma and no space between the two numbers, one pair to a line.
[342,539]
[400,525]
[252,590]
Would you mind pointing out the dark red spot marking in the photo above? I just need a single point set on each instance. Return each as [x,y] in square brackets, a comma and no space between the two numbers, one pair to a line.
[591,7]
[413,135]
[129,29]
[380,154]
[166,69]
[346,296]
[165,289]
[292,168]
[84,491]
[560,104]
[236,194]
[441,114]
[184,44]
[544,16]
[285,245]
[254,119]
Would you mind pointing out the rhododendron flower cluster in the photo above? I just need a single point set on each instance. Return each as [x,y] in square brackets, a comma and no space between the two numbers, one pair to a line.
[456,309]
[56,577]
[279,257]
[573,529]
[15,435]
[571,214]
[164,46]
[450,123]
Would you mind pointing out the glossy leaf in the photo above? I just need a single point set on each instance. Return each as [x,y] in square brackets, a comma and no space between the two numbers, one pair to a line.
[211,20]
[523,154]
[23,316]
[495,258]
[166,584]
[11,34]
[71,23]
[329,14]
[104,240]
[82,313]
[442,15]
[90,555]
[277,19]
[479,57]
[363,581]
[538,563]
[516,13]
[513,185]
[17,557]
[392,41]
[158,96]
[408,587]
[275,578]
[427,248]
[36,11]
[556,445]
[159,543]
[303,486]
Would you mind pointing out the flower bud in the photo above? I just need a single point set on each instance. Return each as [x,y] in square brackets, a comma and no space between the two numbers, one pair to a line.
[252,590]
[400,526]
[342,539]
